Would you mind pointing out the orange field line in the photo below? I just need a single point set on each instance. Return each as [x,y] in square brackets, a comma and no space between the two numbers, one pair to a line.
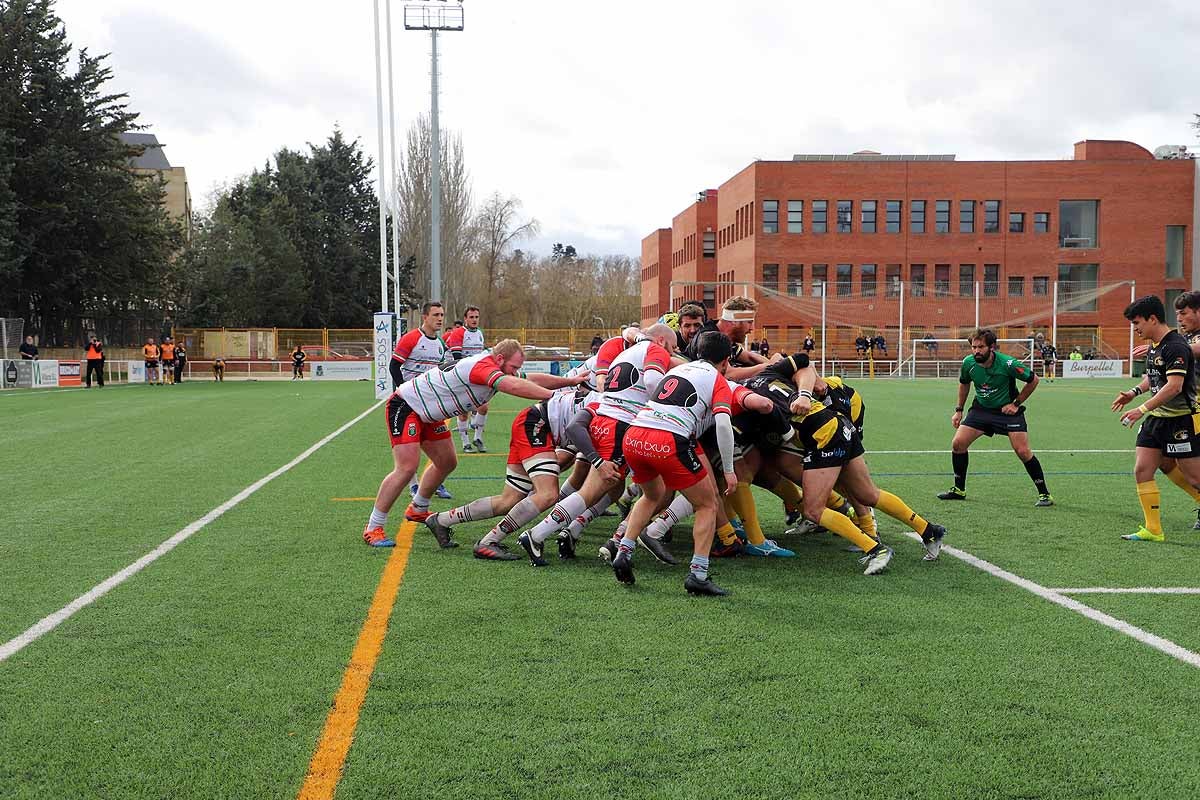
[325,769]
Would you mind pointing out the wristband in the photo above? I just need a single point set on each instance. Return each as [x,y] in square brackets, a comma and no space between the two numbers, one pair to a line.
[1135,391]
[958,409]
[597,462]
[1142,408]
[806,393]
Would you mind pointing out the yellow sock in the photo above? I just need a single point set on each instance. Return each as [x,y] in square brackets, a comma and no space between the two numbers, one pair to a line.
[1177,477]
[866,524]
[835,500]
[843,527]
[726,535]
[895,507]
[1150,498]
[789,493]
[742,501]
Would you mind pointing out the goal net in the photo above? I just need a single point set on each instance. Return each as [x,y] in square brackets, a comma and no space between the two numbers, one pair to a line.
[12,331]
[943,358]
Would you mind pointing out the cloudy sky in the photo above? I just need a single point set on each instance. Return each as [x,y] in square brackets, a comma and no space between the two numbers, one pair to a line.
[606,118]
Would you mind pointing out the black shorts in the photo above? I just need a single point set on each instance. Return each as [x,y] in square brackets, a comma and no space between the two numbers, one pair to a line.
[843,448]
[168,363]
[151,365]
[991,422]
[1174,437]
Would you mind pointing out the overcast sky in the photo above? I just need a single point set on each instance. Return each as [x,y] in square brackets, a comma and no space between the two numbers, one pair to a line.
[606,118]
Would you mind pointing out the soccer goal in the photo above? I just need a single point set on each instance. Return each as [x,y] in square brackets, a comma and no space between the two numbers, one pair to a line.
[942,358]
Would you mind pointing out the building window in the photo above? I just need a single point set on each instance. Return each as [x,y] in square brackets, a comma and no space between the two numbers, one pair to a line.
[991,280]
[1016,222]
[966,216]
[1016,286]
[795,212]
[1175,251]
[916,279]
[893,210]
[916,213]
[710,244]
[845,215]
[941,216]
[892,281]
[868,280]
[770,276]
[966,280]
[941,280]
[868,217]
[1041,222]
[820,216]
[820,273]
[1040,286]
[710,297]
[845,280]
[991,216]
[1077,223]
[795,279]
[1077,286]
[770,216]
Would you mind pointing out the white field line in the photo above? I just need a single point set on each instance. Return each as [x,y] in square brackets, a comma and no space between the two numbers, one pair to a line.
[1126,450]
[49,623]
[1130,590]
[63,390]
[1057,597]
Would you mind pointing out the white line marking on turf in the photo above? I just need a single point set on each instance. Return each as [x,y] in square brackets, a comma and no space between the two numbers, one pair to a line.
[49,623]
[1057,597]
[64,390]
[982,450]
[1130,590]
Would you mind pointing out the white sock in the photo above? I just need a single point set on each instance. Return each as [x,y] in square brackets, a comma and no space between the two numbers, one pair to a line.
[521,513]
[378,519]
[559,518]
[583,520]
[420,501]
[477,422]
[679,509]
[565,491]
[463,430]
[476,509]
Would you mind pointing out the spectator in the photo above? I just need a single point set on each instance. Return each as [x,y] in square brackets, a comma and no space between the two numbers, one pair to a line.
[167,353]
[597,341]
[861,343]
[1076,354]
[879,344]
[219,369]
[764,347]
[298,356]
[809,343]
[180,361]
[754,346]
[930,344]
[29,351]
[95,361]
[1049,359]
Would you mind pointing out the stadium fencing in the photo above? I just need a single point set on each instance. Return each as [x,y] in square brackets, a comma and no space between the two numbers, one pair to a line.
[835,310]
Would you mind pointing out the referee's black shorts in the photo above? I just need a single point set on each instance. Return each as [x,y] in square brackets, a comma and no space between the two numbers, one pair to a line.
[992,421]
[1174,437]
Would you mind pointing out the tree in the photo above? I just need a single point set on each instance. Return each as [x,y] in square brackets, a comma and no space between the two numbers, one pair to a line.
[82,239]
[498,229]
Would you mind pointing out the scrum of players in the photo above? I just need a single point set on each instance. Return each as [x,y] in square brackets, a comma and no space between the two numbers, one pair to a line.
[683,409]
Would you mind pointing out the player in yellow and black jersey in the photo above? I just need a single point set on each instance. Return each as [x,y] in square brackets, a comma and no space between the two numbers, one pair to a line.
[843,397]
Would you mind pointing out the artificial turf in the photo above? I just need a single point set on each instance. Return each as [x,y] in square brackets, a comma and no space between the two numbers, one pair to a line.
[210,673]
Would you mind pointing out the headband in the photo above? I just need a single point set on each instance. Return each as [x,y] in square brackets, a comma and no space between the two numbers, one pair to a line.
[728,315]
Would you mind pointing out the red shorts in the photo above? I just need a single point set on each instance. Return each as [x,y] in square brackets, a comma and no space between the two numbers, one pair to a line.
[530,435]
[652,453]
[607,434]
[405,427]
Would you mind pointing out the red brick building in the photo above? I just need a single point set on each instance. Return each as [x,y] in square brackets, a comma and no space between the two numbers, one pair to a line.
[1023,245]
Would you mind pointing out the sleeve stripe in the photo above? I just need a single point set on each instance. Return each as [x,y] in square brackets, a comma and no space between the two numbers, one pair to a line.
[494,378]
[1177,372]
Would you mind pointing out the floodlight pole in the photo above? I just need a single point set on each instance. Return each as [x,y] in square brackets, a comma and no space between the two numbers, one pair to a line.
[393,199]
[435,166]
[383,299]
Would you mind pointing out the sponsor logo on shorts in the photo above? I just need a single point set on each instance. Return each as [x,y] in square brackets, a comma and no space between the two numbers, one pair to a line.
[412,429]
[1186,447]
[839,453]
[441,428]
[648,448]
[847,433]
[1180,435]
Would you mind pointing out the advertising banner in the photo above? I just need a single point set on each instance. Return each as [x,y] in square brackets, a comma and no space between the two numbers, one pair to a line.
[45,374]
[1092,369]
[16,374]
[536,366]
[340,370]
[69,373]
[382,352]
[137,371]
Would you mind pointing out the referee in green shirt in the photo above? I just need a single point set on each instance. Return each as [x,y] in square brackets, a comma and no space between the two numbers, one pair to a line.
[998,408]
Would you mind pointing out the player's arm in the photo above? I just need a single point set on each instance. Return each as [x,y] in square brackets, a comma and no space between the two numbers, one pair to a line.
[1023,395]
[722,403]
[404,347]
[577,434]
[549,381]
[1124,397]
[1164,395]
[521,387]
[805,379]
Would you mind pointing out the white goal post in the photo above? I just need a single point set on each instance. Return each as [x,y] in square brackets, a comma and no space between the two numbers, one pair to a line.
[942,358]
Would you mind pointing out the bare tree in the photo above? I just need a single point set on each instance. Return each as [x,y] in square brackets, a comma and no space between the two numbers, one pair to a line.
[498,230]
[458,238]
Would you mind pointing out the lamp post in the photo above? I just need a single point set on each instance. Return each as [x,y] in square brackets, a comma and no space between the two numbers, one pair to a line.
[434,17]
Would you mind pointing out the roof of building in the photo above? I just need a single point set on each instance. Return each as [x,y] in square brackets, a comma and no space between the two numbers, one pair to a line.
[868,155]
[152,156]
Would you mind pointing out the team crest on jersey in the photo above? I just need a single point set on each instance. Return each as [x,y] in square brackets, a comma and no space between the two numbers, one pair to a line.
[846,432]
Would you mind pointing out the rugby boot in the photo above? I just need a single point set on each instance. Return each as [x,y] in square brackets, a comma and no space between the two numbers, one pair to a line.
[1044,501]
[608,551]
[533,549]
[376,537]
[1196,526]
[566,546]
[932,541]
[877,560]
[1143,535]
[768,548]
[479,448]
[953,493]
[440,532]
[494,552]
[657,550]
[443,493]
[702,587]
[622,566]
[730,550]
[793,516]
[467,447]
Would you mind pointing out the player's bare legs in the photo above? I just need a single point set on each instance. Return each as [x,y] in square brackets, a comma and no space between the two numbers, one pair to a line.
[857,480]
[818,483]
[405,458]
[442,461]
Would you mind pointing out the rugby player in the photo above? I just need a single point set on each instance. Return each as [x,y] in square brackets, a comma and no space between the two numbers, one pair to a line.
[531,477]
[628,381]
[1169,429]
[419,351]
[998,408]
[463,343]
[1187,311]
[662,450]
[167,351]
[736,322]
[416,417]
[150,354]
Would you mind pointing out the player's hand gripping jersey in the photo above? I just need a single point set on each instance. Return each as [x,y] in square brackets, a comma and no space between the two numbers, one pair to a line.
[822,435]
[846,401]
[417,354]
[630,379]
[437,395]
[464,342]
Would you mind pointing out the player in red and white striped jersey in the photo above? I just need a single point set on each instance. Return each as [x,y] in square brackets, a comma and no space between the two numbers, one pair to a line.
[422,348]
[416,419]
[465,342]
